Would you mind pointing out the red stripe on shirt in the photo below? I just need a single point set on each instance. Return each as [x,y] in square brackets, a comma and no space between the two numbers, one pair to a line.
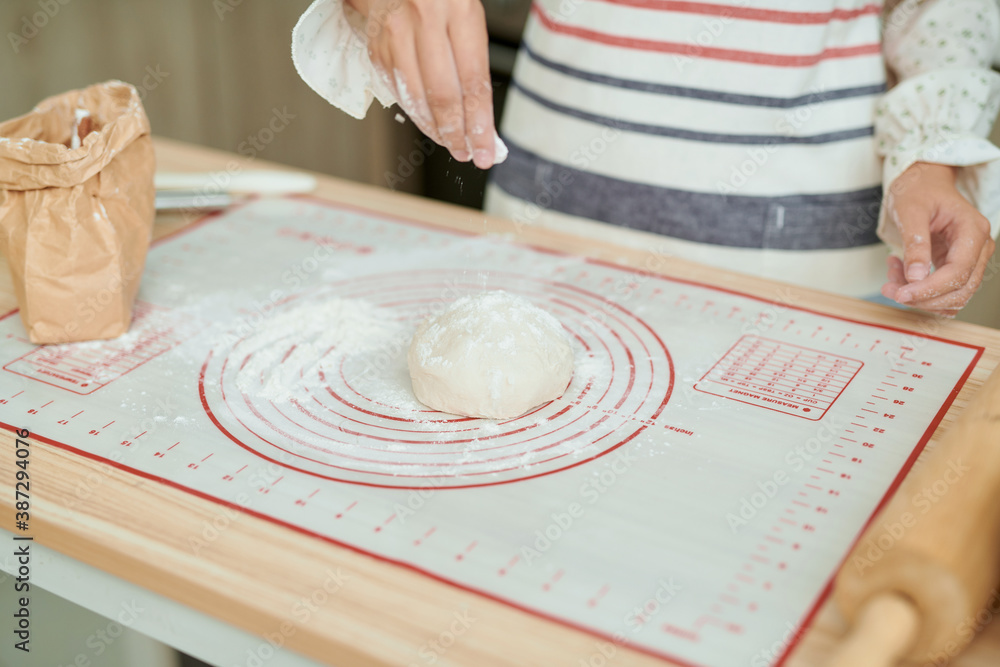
[697,51]
[749,13]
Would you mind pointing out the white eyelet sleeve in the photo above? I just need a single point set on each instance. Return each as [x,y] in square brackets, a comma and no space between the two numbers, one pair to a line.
[946,101]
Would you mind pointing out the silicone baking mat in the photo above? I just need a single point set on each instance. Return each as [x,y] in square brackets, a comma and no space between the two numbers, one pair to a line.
[691,495]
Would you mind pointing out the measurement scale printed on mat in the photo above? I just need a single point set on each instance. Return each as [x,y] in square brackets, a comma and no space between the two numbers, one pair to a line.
[691,495]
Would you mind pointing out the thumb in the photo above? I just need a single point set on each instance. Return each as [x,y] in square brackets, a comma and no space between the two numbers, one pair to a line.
[913,222]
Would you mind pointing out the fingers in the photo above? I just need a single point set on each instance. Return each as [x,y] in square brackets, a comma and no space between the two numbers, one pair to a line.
[913,221]
[896,279]
[441,85]
[470,46]
[435,56]
[939,228]
[381,57]
[406,76]
[950,303]
[413,100]
[965,245]
[393,52]
[956,245]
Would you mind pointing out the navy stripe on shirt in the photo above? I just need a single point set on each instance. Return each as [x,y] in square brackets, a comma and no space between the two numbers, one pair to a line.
[791,222]
[704,94]
[693,135]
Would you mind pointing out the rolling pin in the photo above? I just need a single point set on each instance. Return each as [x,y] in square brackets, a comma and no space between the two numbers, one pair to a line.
[913,585]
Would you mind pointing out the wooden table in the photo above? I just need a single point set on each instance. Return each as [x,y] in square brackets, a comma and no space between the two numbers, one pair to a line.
[255,571]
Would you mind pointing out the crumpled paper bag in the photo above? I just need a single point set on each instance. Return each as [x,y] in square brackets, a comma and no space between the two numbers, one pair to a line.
[76,211]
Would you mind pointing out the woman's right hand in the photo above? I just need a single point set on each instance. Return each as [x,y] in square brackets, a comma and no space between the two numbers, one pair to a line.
[434,54]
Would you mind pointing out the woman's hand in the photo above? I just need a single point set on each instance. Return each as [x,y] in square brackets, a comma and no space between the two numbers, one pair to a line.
[939,228]
[434,54]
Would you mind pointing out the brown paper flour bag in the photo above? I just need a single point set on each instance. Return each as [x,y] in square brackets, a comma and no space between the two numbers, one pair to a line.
[76,211]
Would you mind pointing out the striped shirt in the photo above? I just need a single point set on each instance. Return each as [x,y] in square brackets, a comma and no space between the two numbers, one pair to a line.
[742,130]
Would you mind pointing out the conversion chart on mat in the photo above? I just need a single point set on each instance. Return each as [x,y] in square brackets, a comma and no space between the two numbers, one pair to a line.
[690,495]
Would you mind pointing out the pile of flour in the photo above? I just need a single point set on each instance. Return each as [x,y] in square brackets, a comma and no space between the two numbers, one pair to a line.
[315,336]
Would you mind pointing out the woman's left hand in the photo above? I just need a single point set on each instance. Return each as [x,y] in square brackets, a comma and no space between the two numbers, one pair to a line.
[939,228]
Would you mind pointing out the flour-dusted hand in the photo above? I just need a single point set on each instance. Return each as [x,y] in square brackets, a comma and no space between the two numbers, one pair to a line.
[430,56]
[941,174]
[435,56]
[939,229]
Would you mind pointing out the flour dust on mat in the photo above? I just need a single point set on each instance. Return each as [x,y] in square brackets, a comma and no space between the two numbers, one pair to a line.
[290,352]
[493,355]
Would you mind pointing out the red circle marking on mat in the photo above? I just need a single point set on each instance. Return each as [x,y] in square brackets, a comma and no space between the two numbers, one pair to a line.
[371,442]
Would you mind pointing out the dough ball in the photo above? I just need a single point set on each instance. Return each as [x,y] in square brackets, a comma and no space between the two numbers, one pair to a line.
[490,355]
